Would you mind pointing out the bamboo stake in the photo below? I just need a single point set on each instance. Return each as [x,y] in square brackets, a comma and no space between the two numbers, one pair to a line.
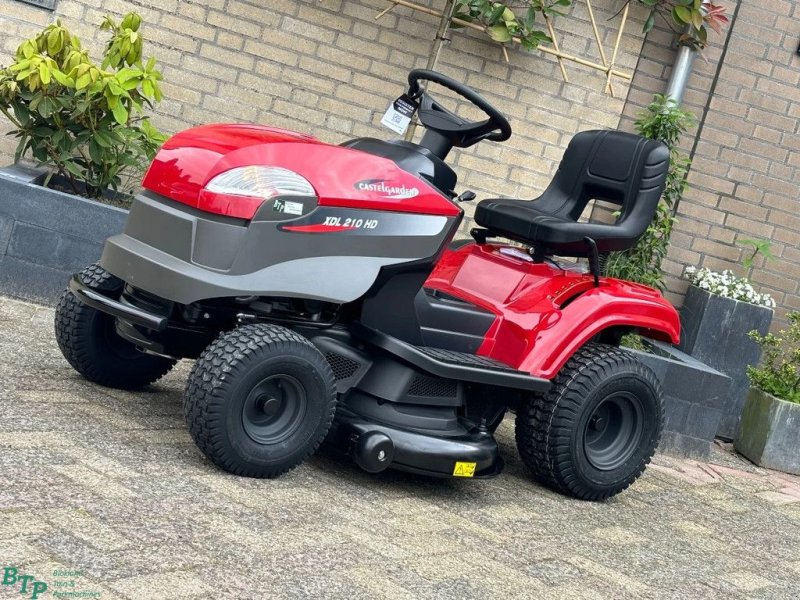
[555,46]
[616,45]
[599,43]
[385,11]
[544,49]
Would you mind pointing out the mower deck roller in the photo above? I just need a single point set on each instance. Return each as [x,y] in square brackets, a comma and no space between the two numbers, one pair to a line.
[320,291]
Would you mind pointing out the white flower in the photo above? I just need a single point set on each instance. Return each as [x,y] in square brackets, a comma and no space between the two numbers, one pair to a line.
[727,284]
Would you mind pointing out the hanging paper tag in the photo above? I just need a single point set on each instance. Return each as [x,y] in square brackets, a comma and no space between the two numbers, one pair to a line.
[398,115]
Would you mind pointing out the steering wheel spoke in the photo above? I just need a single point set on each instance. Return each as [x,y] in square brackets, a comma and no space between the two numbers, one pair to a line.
[448,126]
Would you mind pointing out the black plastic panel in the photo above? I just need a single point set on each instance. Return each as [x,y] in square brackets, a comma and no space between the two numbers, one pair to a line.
[413,159]
[450,323]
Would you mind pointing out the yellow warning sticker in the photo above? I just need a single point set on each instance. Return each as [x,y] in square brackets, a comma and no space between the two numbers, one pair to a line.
[464,469]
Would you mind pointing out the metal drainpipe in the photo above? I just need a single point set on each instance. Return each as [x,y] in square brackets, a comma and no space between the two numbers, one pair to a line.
[681,69]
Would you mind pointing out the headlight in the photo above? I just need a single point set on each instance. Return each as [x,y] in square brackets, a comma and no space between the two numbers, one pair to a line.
[260,182]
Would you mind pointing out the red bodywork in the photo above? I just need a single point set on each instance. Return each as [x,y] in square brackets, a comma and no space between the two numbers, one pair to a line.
[544,314]
[190,159]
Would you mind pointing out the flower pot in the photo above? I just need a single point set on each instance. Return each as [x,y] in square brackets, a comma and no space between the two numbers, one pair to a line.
[46,235]
[694,398]
[770,432]
[714,331]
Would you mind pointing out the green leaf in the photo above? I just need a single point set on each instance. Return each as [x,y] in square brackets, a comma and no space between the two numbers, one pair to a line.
[95,152]
[648,24]
[496,13]
[74,169]
[44,73]
[120,113]
[63,79]
[83,81]
[697,19]
[148,89]
[530,17]
[102,139]
[22,113]
[47,107]
[499,33]
[682,15]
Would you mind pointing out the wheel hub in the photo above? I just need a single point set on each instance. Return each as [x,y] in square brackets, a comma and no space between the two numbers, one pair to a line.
[270,405]
[613,431]
[598,423]
[274,409]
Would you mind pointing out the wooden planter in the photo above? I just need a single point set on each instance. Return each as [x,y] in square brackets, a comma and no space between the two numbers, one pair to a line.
[770,432]
[714,331]
[46,235]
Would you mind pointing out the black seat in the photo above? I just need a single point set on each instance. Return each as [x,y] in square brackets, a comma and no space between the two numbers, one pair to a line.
[617,167]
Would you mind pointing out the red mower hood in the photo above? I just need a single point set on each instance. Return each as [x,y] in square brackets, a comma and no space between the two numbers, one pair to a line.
[340,176]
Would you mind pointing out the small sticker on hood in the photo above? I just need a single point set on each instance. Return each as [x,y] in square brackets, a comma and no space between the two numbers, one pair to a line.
[288,207]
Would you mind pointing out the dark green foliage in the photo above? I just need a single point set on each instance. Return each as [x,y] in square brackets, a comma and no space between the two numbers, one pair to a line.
[779,373]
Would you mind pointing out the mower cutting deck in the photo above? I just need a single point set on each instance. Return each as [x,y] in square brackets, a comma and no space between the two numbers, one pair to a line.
[319,291]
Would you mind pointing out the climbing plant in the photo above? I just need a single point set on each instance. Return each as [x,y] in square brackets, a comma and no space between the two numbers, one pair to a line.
[504,21]
[665,121]
[689,19]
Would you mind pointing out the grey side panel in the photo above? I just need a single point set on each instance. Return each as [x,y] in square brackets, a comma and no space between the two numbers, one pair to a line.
[186,255]
[338,279]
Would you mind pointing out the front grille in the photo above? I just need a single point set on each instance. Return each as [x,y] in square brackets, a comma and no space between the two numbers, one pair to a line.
[433,387]
[342,367]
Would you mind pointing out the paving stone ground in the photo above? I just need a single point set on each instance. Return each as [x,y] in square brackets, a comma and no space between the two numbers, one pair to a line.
[108,484]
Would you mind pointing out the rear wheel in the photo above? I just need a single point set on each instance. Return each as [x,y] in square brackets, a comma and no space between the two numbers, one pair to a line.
[594,432]
[89,341]
[260,400]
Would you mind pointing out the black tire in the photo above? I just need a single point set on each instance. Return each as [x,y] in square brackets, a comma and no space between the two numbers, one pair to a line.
[89,341]
[260,400]
[595,431]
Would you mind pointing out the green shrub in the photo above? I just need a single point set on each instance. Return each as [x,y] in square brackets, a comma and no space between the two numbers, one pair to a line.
[83,120]
[779,372]
[665,121]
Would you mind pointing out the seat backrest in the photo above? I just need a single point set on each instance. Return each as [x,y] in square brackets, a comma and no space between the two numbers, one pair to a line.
[614,166]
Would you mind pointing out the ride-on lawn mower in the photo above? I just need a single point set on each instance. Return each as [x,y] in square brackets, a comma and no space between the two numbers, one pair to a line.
[319,288]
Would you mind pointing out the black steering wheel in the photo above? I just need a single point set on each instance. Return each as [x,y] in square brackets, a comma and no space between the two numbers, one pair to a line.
[455,130]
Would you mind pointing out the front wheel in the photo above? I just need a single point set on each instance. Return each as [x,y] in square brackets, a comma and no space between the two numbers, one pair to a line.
[89,341]
[260,400]
[594,432]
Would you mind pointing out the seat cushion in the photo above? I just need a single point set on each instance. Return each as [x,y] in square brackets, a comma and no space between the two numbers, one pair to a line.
[520,220]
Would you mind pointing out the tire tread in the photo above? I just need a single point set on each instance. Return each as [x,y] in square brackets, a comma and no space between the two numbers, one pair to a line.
[544,425]
[215,372]
[73,323]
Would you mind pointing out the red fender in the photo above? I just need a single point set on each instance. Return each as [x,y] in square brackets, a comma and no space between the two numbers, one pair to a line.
[545,314]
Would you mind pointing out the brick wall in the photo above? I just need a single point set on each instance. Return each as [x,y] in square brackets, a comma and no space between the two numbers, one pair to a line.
[745,176]
[331,69]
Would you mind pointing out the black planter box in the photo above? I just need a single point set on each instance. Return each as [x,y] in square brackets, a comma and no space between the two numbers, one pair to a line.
[715,332]
[694,399]
[46,235]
